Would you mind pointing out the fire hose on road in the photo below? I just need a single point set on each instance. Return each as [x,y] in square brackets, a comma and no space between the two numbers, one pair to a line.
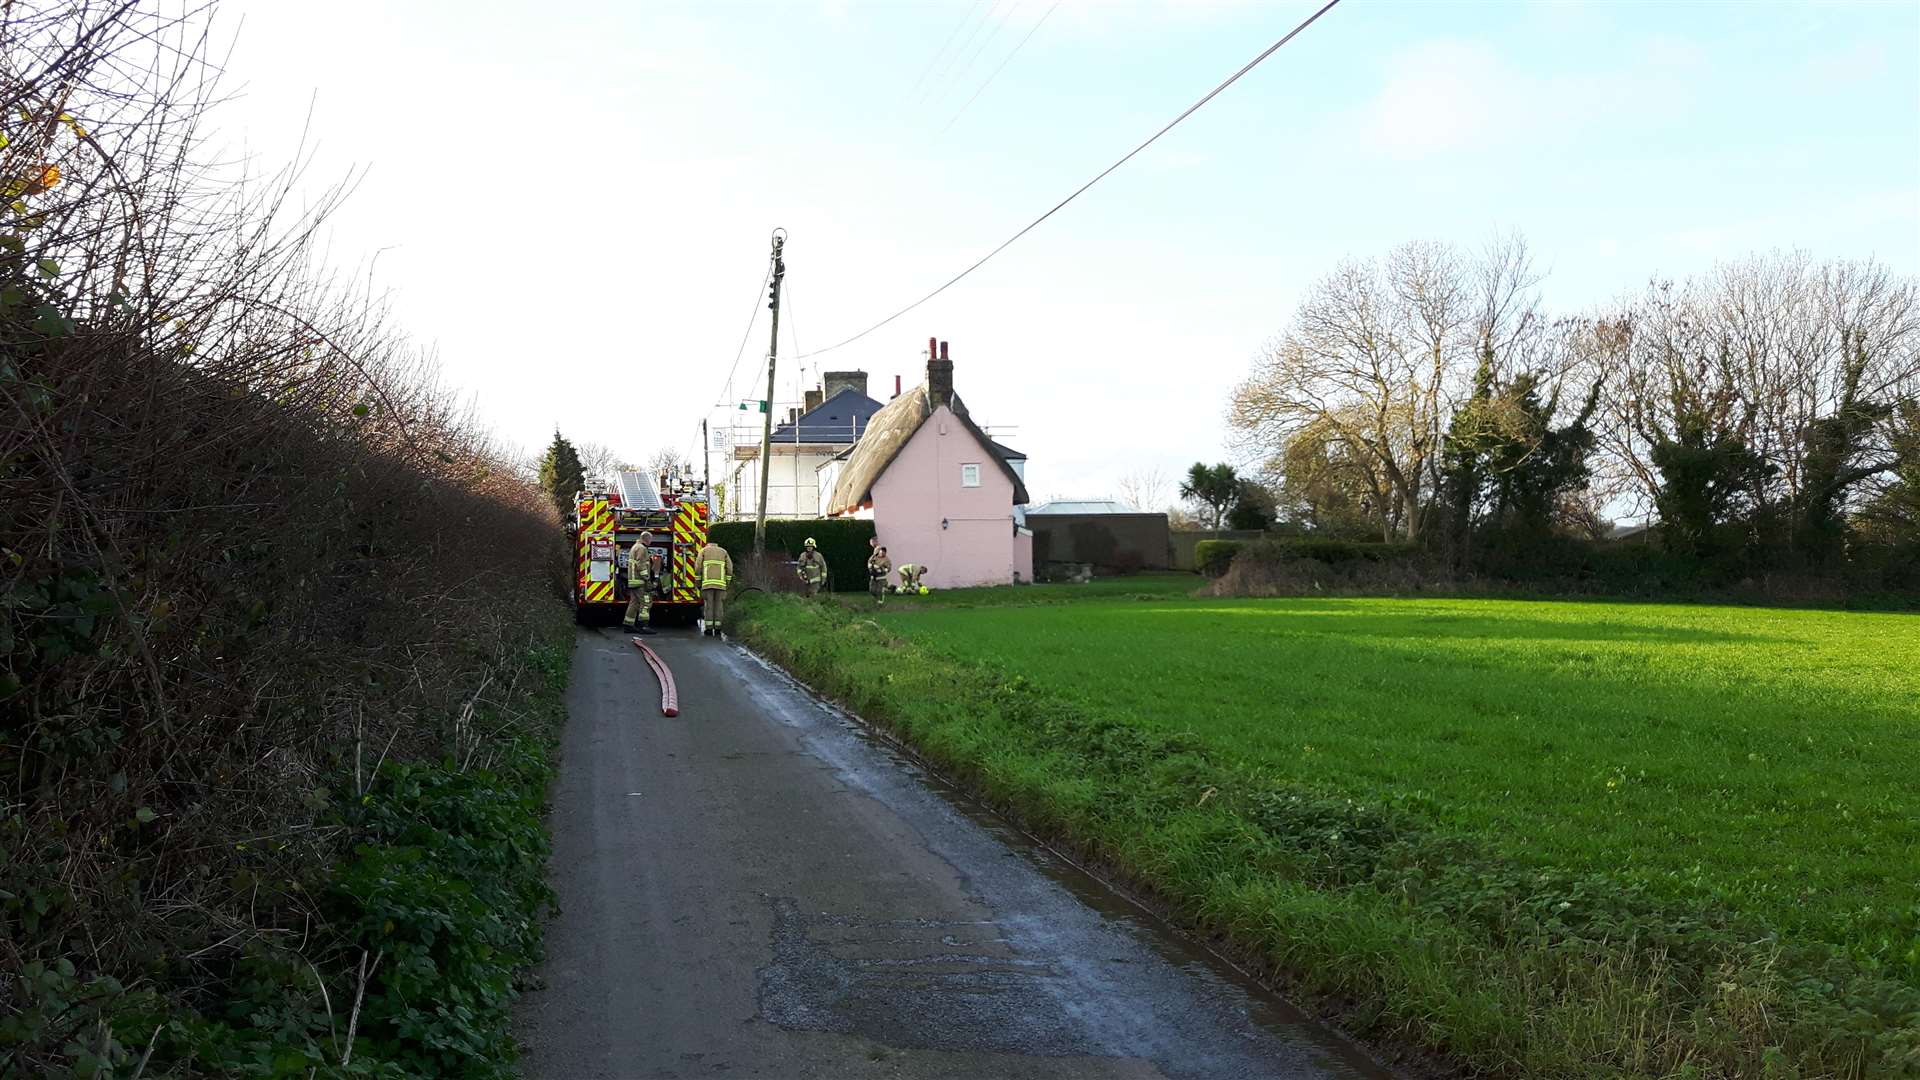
[669,696]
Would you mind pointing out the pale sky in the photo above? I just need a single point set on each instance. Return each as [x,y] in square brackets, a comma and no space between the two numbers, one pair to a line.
[568,192]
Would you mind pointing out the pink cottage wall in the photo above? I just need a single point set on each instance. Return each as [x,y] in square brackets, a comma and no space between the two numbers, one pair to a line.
[922,487]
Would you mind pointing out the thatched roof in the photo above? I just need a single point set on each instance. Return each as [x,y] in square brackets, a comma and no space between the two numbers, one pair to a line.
[887,434]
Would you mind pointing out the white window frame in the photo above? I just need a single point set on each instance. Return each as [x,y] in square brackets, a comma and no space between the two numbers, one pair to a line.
[970,474]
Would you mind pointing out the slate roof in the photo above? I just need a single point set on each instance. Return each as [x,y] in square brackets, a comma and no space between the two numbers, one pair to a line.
[887,434]
[839,420]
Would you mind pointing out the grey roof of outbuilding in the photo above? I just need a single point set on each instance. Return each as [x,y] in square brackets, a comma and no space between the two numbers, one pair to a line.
[887,435]
[1080,506]
[838,420]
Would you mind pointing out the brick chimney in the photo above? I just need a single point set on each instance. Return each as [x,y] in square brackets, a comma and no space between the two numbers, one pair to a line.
[939,379]
[832,382]
[813,400]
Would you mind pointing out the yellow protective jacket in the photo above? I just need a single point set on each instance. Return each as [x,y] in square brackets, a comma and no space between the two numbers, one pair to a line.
[813,566]
[641,573]
[716,567]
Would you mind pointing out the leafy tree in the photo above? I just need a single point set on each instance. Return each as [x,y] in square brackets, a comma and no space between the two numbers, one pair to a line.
[1215,487]
[1253,509]
[1838,452]
[1892,516]
[1508,468]
[1705,478]
[561,474]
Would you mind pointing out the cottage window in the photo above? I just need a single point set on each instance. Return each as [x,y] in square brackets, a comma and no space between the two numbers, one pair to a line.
[970,475]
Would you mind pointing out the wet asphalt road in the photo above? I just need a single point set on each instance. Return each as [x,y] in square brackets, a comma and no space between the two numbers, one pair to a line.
[757,888]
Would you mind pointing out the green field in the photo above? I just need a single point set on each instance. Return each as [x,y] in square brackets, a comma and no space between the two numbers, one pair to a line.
[1543,838]
[1769,756]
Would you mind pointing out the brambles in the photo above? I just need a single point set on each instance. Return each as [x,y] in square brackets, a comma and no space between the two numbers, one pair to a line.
[237,575]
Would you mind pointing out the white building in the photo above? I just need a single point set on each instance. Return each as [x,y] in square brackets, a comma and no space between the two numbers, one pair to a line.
[829,422]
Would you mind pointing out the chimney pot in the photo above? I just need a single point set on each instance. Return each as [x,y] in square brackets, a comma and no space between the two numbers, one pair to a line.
[939,379]
[896,386]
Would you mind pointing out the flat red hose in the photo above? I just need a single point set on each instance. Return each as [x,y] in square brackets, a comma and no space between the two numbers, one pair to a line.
[669,696]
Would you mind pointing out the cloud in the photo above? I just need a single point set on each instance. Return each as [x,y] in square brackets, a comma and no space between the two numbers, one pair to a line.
[1447,96]
[1441,96]
[1846,65]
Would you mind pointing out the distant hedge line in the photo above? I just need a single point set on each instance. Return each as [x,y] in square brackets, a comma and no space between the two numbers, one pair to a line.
[842,540]
[1212,557]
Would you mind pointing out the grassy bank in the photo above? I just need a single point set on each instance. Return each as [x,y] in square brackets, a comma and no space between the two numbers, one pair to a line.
[1544,839]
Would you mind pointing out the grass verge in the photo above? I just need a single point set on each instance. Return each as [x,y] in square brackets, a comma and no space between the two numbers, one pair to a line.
[1417,929]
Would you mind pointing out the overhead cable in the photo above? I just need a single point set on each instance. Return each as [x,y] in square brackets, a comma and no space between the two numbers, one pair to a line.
[1003,66]
[1191,109]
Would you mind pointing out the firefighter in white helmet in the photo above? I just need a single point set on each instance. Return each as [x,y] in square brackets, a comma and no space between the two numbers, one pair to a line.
[643,577]
[813,568]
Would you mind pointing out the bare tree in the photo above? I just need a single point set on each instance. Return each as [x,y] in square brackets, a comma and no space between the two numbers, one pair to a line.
[598,459]
[669,460]
[1378,355]
[1147,489]
[1790,371]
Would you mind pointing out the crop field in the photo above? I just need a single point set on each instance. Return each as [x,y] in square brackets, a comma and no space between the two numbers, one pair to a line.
[1539,838]
[1771,757]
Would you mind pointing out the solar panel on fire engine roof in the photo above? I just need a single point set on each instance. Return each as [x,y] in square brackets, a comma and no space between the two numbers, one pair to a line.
[637,491]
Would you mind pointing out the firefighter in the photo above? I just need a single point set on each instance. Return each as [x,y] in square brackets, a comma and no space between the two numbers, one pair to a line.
[716,569]
[813,568]
[910,577]
[643,576]
[878,567]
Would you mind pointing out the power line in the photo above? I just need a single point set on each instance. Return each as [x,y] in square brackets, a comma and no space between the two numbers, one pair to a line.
[942,51]
[1191,109]
[1005,20]
[793,324]
[1003,65]
[963,48]
[726,391]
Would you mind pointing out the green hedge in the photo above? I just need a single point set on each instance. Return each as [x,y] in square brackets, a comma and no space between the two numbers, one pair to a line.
[842,540]
[1212,557]
[1337,551]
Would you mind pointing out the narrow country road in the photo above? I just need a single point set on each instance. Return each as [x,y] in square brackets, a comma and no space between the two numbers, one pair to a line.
[757,888]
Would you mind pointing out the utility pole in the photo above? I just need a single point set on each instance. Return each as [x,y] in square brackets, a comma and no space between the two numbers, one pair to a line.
[706,462]
[766,407]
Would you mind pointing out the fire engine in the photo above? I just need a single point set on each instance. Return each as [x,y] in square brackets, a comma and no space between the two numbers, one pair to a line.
[609,515]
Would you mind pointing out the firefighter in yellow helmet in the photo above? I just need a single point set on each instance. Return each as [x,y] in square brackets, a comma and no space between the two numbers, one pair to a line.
[716,570]
[878,567]
[910,576]
[813,568]
[643,577]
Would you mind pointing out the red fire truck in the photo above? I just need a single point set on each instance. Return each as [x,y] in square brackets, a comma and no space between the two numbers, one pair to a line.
[609,515]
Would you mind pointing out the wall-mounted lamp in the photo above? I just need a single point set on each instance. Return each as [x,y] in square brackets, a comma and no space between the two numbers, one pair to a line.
[943,523]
